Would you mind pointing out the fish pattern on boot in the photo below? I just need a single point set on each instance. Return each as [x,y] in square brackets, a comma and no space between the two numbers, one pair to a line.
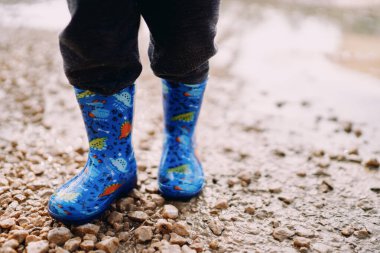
[180,173]
[110,170]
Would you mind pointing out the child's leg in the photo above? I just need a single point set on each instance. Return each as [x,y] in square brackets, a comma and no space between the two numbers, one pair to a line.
[99,45]
[99,49]
[182,42]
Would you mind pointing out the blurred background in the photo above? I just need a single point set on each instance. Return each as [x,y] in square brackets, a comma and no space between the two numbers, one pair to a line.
[291,121]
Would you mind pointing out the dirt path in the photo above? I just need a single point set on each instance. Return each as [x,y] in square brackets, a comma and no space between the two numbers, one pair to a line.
[289,168]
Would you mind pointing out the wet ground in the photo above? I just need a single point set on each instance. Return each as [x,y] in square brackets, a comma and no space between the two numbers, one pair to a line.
[289,135]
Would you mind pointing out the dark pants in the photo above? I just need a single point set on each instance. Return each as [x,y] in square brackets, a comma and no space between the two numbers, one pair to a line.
[100,48]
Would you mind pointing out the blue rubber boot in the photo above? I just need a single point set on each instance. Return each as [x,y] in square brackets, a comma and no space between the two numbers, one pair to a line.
[110,171]
[180,174]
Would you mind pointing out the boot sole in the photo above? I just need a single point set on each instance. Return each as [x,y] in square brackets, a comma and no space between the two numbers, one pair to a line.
[123,192]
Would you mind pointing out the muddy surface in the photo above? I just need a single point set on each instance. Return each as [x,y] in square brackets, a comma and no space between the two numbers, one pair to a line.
[289,137]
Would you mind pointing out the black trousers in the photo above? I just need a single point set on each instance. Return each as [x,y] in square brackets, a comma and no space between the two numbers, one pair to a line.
[100,48]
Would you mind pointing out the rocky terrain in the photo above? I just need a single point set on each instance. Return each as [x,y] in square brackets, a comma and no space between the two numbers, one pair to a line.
[285,173]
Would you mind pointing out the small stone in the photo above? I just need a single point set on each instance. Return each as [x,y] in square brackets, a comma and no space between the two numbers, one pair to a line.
[87,245]
[304,232]
[90,237]
[72,244]
[7,250]
[31,238]
[12,243]
[245,176]
[221,204]
[372,164]
[7,223]
[59,235]
[198,246]
[362,233]
[216,226]
[282,233]
[38,247]
[143,233]
[366,204]
[347,231]
[177,239]
[250,210]
[170,212]
[275,188]
[19,235]
[115,217]
[166,247]
[152,188]
[158,199]
[163,226]
[61,250]
[301,173]
[109,245]
[87,229]
[124,204]
[214,245]
[347,127]
[181,228]
[326,186]
[187,249]
[138,216]
[123,236]
[286,199]
[299,242]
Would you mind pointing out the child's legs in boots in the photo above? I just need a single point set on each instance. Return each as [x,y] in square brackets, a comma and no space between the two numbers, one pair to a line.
[182,42]
[99,49]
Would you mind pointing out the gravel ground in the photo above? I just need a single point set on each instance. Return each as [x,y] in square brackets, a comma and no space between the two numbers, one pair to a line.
[282,175]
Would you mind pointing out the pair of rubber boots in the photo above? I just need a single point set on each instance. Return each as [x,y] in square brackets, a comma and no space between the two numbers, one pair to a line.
[110,171]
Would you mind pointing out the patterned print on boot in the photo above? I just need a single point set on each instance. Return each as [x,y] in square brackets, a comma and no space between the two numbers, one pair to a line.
[110,170]
[180,173]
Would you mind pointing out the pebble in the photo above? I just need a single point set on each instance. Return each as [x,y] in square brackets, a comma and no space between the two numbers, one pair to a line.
[362,233]
[170,212]
[12,243]
[7,223]
[300,242]
[321,248]
[275,189]
[187,249]
[347,231]
[87,245]
[372,163]
[214,245]
[158,199]
[177,239]
[216,226]
[31,238]
[166,247]
[90,237]
[250,210]
[87,229]
[72,244]
[59,235]
[109,245]
[181,228]
[61,250]
[115,217]
[286,199]
[221,204]
[38,247]
[19,235]
[138,216]
[198,246]
[143,233]
[163,226]
[245,176]
[282,233]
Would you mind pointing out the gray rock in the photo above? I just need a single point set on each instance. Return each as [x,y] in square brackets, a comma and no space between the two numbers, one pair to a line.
[282,233]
